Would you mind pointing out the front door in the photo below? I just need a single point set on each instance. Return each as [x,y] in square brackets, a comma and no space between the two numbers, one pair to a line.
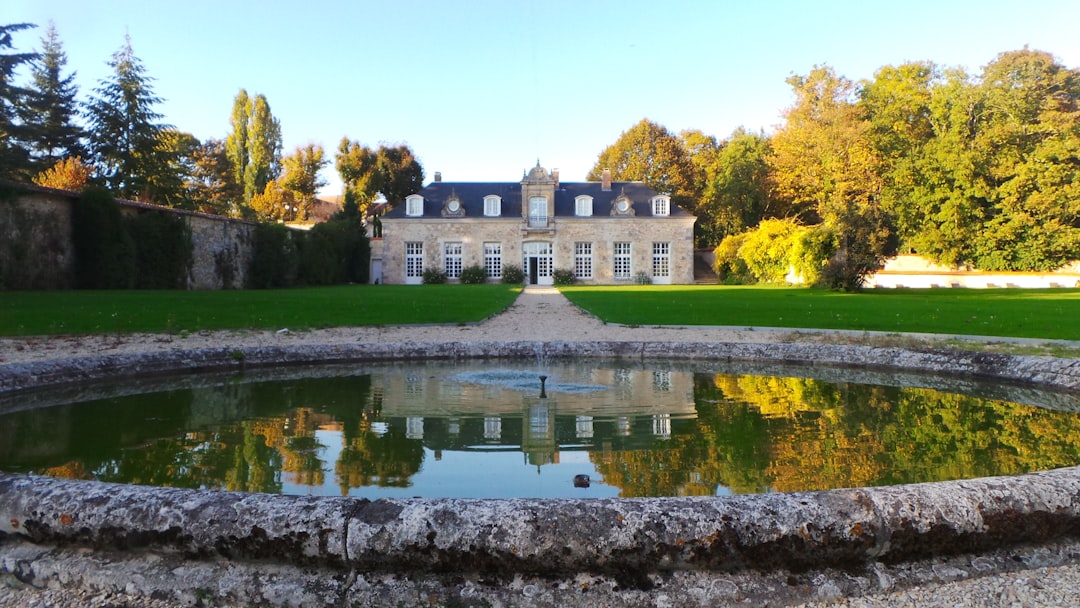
[538,262]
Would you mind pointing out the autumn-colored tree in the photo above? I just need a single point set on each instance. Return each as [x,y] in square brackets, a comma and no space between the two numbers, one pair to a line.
[301,177]
[67,174]
[392,171]
[212,184]
[274,203]
[825,163]
[649,153]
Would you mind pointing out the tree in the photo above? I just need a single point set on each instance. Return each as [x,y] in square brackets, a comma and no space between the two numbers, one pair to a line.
[1028,143]
[50,112]
[649,153]
[824,162]
[274,203]
[254,145]
[301,177]
[212,184]
[736,193]
[390,170]
[124,128]
[67,174]
[14,157]
[169,185]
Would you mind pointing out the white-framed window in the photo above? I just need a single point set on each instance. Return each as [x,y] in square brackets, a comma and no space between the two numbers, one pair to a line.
[661,205]
[414,205]
[452,260]
[542,253]
[493,260]
[583,260]
[414,261]
[661,260]
[538,211]
[492,206]
[583,206]
[622,260]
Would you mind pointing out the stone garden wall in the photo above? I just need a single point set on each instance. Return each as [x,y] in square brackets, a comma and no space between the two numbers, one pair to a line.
[36,250]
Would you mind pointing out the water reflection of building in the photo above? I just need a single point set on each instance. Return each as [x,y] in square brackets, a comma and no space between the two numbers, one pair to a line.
[581,406]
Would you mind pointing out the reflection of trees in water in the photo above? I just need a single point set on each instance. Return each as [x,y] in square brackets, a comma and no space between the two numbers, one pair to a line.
[752,434]
[387,460]
[809,434]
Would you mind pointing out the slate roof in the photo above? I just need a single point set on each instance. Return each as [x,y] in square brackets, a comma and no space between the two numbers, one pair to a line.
[471,195]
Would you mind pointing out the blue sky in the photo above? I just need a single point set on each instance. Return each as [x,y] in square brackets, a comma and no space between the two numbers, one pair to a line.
[481,90]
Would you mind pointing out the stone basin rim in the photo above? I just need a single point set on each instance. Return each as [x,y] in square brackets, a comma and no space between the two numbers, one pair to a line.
[552,537]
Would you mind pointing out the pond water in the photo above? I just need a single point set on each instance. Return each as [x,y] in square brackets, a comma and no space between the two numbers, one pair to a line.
[485,429]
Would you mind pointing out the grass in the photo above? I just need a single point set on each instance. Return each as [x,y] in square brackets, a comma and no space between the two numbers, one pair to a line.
[1027,313]
[27,313]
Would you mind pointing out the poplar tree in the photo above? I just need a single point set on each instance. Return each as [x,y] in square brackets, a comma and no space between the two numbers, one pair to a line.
[254,144]
[50,112]
[124,128]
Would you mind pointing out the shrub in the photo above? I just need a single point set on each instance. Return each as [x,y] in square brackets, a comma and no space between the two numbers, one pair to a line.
[811,251]
[434,276]
[563,276]
[766,249]
[474,275]
[273,259]
[335,252]
[642,278]
[162,243]
[512,274]
[104,251]
[730,268]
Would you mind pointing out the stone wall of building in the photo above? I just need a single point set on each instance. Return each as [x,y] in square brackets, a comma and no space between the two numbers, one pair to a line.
[36,249]
[602,232]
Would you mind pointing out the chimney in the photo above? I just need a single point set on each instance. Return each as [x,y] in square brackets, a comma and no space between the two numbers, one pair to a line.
[605,181]
[438,176]
[555,176]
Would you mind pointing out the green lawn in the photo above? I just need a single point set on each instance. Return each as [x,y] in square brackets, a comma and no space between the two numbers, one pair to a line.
[1032,313]
[83,312]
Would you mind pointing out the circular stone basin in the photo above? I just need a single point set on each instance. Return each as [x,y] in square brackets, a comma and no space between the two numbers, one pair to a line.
[481,429]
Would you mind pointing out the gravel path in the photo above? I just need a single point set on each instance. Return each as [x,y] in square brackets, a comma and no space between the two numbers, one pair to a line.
[538,314]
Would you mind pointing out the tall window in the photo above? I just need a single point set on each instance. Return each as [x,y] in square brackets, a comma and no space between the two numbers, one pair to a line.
[661,205]
[583,260]
[622,260]
[661,259]
[493,260]
[414,205]
[583,206]
[492,206]
[452,260]
[538,211]
[414,260]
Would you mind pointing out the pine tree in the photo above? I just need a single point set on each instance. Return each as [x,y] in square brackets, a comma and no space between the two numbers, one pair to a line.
[124,132]
[50,112]
[14,157]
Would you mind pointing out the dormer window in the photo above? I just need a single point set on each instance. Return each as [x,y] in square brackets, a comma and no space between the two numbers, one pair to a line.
[492,206]
[661,205]
[583,206]
[414,205]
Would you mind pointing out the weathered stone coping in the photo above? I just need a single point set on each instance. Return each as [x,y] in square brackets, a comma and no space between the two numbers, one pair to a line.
[1046,372]
[624,537]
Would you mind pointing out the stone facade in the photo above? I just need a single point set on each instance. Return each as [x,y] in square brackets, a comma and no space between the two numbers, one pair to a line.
[604,232]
